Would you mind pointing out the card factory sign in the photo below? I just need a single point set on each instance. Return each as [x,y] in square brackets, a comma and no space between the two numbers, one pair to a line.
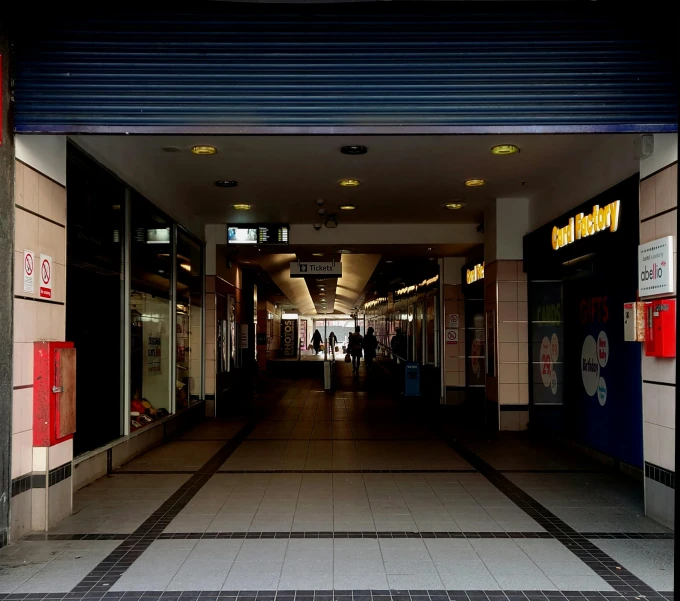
[655,267]
[475,274]
[582,225]
[320,269]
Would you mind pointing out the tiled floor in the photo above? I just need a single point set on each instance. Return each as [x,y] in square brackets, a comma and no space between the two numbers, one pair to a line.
[351,495]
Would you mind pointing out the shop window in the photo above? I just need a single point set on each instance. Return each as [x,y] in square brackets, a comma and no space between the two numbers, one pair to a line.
[94,298]
[150,315]
[430,336]
[189,328]
[547,343]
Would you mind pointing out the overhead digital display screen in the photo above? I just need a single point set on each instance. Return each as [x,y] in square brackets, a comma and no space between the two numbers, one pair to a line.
[263,234]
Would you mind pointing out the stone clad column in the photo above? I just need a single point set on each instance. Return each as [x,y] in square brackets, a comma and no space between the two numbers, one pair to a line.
[505,306]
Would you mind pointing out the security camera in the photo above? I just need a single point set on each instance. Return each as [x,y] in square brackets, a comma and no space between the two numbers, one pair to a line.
[317,226]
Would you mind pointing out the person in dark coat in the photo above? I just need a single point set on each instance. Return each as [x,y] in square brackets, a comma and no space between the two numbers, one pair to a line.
[316,341]
[370,346]
[354,347]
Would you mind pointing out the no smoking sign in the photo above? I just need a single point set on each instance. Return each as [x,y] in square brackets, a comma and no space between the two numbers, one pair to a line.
[45,275]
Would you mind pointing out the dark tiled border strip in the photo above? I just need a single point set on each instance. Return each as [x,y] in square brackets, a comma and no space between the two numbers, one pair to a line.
[60,473]
[39,479]
[468,471]
[349,534]
[660,475]
[547,471]
[338,534]
[630,535]
[111,568]
[620,579]
[343,595]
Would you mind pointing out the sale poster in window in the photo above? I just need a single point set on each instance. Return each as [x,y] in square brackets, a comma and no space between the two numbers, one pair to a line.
[547,343]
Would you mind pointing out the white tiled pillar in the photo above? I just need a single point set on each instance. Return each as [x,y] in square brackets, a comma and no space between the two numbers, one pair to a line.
[505,296]
[453,303]
[658,218]
[41,482]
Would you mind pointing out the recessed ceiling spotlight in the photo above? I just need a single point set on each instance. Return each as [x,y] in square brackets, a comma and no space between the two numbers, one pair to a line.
[504,149]
[226,183]
[242,207]
[354,149]
[203,150]
[171,149]
[389,261]
[344,251]
[349,183]
[454,206]
[347,207]
[474,182]
[429,248]
[317,254]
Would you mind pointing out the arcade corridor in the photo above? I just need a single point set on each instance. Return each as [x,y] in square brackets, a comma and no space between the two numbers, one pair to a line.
[348,494]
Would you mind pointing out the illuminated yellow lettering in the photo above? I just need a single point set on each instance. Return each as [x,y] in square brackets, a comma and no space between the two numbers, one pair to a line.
[555,241]
[589,225]
[615,216]
[601,219]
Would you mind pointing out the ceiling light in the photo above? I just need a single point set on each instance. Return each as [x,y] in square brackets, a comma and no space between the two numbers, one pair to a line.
[389,261]
[453,206]
[347,207]
[226,183]
[349,183]
[429,248]
[317,254]
[474,183]
[242,207]
[185,266]
[171,149]
[344,251]
[504,149]
[354,149]
[203,150]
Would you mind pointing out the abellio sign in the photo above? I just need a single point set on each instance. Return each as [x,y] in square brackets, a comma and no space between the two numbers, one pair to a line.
[655,267]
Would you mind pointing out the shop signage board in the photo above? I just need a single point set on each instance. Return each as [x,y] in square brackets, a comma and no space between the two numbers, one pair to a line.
[582,225]
[29,271]
[318,269]
[45,275]
[289,337]
[453,320]
[475,274]
[451,335]
[655,267]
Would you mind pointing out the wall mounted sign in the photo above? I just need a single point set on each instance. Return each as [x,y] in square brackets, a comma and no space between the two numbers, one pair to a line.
[451,336]
[475,274]
[453,320]
[319,269]
[584,225]
[45,275]
[29,271]
[655,267]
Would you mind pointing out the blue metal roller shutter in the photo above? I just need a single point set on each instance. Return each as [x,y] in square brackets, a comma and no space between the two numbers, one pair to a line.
[377,67]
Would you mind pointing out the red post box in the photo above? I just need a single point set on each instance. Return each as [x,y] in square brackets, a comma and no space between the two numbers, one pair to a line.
[54,392]
[660,328]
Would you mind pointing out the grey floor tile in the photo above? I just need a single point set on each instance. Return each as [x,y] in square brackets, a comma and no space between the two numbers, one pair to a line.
[415,582]
[251,575]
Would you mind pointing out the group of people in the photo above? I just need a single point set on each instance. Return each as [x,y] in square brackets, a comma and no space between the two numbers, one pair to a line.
[359,346]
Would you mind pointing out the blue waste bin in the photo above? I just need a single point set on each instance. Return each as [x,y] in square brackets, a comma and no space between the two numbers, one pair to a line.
[412,379]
